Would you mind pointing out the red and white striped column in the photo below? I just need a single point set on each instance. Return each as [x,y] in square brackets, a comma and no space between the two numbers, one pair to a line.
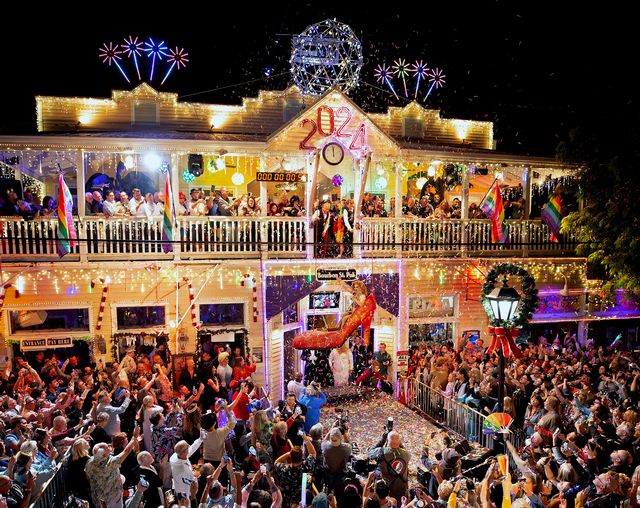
[103,299]
[249,281]
[192,306]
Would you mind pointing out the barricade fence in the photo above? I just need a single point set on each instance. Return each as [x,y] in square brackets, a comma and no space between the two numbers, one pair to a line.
[454,416]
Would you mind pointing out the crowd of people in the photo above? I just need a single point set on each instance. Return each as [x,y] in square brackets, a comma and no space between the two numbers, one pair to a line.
[214,437]
[132,437]
[575,405]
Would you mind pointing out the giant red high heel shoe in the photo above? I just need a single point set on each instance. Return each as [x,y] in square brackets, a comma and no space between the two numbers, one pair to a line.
[323,339]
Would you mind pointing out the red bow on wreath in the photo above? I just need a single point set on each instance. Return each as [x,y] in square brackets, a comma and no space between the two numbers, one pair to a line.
[504,338]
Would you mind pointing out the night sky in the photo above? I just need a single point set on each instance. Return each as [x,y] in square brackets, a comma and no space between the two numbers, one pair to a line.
[535,70]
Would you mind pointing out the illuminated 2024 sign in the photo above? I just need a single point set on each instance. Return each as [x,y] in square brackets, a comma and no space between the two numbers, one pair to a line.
[334,122]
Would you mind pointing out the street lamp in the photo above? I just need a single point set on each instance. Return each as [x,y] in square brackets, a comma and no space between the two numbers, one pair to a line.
[503,302]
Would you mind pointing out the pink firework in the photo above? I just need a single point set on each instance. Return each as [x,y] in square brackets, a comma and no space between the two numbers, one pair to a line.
[436,78]
[383,74]
[133,49]
[110,54]
[178,58]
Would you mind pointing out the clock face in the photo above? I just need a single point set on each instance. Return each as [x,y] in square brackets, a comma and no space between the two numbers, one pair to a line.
[333,153]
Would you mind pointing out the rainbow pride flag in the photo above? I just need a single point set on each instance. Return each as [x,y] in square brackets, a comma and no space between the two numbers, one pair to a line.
[493,209]
[551,214]
[66,230]
[168,217]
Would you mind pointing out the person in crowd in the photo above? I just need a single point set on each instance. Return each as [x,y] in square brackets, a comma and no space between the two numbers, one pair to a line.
[313,399]
[296,386]
[393,461]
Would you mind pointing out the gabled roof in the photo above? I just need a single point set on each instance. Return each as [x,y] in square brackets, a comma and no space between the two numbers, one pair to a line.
[331,95]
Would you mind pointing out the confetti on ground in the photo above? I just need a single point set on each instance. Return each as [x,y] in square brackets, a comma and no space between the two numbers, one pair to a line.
[368,415]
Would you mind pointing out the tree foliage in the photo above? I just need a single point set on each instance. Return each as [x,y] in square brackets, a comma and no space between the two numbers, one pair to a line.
[608,226]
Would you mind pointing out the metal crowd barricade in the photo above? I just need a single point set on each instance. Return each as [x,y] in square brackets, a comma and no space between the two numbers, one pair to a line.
[54,491]
[456,417]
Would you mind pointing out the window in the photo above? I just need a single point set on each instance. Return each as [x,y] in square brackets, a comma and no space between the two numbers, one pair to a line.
[145,113]
[73,320]
[222,314]
[412,127]
[291,108]
[430,332]
[432,306]
[322,321]
[129,318]
[324,300]
[290,314]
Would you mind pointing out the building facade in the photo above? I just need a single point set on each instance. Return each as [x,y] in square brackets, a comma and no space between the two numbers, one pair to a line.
[259,278]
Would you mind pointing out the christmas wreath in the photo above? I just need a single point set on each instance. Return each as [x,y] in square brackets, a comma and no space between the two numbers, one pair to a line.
[529,295]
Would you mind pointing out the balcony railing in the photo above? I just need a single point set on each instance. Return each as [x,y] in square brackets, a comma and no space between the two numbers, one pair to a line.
[270,237]
[432,237]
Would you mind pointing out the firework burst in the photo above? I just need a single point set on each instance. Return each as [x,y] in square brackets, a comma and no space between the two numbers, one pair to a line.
[154,50]
[110,54]
[133,49]
[178,58]
[401,70]
[436,78]
[383,74]
[420,71]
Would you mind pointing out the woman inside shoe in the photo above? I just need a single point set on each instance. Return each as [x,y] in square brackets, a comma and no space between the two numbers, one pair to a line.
[365,307]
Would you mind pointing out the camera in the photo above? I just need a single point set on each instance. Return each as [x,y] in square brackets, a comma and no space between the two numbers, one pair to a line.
[263,469]
[389,426]
[226,458]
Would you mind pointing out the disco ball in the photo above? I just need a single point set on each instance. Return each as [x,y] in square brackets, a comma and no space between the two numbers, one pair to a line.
[326,54]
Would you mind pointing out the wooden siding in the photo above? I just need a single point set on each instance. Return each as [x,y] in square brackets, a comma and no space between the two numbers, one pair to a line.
[262,115]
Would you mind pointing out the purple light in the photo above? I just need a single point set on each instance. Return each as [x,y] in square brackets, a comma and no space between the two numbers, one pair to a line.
[133,49]
[384,74]
[110,53]
[420,71]
[177,58]
[154,50]
[436,78]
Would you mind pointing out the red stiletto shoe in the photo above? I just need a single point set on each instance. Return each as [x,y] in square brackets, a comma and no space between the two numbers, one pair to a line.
[323,339]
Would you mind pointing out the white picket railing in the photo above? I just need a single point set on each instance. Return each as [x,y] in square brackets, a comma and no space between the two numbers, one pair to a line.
[425,237]
[285,237]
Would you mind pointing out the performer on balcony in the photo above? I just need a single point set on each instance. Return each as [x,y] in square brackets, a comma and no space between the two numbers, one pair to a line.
[323,221]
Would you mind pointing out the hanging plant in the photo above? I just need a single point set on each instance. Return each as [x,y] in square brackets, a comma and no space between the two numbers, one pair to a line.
[529,294]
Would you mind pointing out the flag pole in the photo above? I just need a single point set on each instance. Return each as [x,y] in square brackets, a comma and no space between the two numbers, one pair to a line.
[487,193]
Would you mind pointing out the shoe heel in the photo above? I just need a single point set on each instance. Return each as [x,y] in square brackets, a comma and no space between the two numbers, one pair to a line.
[366,330]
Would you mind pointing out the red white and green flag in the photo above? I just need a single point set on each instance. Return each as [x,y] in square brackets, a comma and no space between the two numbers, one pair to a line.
[66,231]
[494,210]
[168,217]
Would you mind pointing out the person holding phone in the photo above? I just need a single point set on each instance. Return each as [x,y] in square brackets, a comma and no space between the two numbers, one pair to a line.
[214,492]
[150,480]
[214,443]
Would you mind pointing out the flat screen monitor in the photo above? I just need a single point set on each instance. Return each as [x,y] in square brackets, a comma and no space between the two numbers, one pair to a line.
[329,300]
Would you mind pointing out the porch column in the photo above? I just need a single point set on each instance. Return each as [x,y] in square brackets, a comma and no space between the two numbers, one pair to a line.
[357,199]
[465,210]
[264,204]
[526,193]
[82,226]
[175,190]
[397,210]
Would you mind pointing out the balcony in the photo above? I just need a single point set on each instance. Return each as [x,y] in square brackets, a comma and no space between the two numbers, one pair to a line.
[269,237]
